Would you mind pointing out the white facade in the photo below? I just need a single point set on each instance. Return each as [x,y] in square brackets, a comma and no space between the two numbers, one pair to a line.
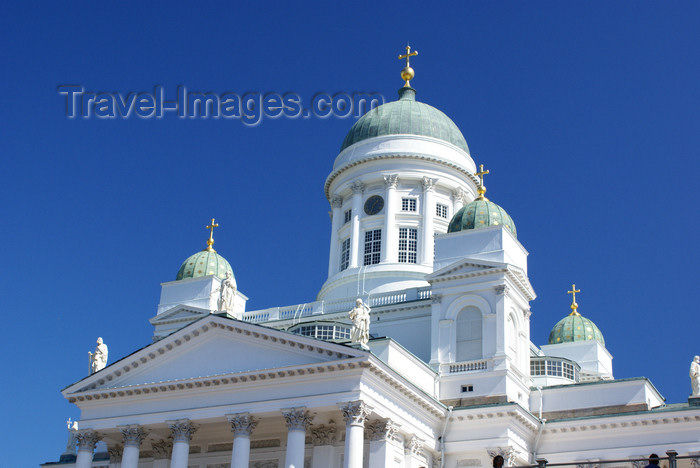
[447,378]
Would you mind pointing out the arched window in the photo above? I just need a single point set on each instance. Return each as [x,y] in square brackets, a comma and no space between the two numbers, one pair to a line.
[512,335]
[469,343]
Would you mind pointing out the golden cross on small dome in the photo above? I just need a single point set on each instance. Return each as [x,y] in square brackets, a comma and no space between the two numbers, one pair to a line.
[407,73]
[210,241]
[574,306]
[481,189]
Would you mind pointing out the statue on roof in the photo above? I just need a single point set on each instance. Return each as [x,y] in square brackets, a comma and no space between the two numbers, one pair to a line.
[72,437]
[98,359]
[360,323]
[695,376]
[226,293]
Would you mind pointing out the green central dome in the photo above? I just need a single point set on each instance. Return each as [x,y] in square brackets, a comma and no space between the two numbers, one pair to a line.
[405,117]
[204,263]
[575,327]
[479,214]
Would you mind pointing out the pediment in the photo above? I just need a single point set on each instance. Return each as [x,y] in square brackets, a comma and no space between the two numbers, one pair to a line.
[178,313]
[465,268]
[214,346]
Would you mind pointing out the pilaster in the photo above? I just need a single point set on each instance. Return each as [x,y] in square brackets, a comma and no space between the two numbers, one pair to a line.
[358,189]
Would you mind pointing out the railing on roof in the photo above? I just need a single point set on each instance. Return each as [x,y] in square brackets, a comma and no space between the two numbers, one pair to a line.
[468,366]
[671,456]
[297,311]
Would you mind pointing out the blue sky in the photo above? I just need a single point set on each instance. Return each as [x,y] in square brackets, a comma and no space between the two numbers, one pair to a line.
[586,113]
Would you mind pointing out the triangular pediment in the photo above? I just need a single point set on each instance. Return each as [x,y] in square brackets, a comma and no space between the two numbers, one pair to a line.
[214,346]
[178,313]
[465,268]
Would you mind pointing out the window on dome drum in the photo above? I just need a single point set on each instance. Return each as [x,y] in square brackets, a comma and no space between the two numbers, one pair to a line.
[441,210]
[373,246]
[345,254]
[408,245]
[348,216]
[408,204]
[554,367]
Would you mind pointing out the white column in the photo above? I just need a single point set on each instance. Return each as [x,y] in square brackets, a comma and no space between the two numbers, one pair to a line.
[355,242]
[87,439]
[133,436]
[182,431]
[458,200]
[298,420]
[336,222]
[390,251]
[323,437]
[428,212]
[355,413]
[383,445]
[161,453]
[242,425]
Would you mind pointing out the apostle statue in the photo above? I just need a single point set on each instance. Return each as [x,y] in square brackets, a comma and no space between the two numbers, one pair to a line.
[226,292]
[695,376]
[98,359]
[360,323]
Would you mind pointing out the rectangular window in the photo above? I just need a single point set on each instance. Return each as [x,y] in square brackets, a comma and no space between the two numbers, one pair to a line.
[345,254]
[373,246]
[408,245]
[537,368]
[467,388]
[441,210]
[408,204]
[348,216]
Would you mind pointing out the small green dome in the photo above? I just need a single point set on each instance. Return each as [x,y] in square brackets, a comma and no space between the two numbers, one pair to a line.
[481,213]
[405,116]
[575,327]
[204,263]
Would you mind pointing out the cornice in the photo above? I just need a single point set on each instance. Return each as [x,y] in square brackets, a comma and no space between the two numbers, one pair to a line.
[440,161]
[515,274]
[631,422]
[516,413]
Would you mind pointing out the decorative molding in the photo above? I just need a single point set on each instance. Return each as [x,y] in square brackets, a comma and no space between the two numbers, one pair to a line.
[324,434]
[182,430]
[508,454]
[115,453]
[381,430]
[298,419]
[436,298]
[336,201]
[355,412]
[242,424]
[265,443]
[87,439]
[429,184]
[357,187]
[133,435]
[391,180]
[695,462]
[219,465]
[413,446]
[162,449]
[501,290]
[459,195]
[265,464]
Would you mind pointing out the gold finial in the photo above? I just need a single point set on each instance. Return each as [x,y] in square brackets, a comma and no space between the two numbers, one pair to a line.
[574,306]
[407,73]
[210,241]
[481,189]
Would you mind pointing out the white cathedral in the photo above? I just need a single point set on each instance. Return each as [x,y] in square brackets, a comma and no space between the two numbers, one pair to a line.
[448,377]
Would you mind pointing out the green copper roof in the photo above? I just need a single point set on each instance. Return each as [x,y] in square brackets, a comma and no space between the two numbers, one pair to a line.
[204,263]
[481,213]
[575,327]
[405,116]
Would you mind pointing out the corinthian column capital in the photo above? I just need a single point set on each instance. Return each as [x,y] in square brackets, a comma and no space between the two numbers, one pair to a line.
[162,448]
[297,418]
[87,439]
[336,201]
[242,424]
[429,184]
[355,412]
[133,434]
[391,180]
[381,429]
[357,187]
[182,430]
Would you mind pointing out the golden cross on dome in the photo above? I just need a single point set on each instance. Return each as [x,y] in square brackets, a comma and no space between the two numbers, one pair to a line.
[574,306]
[210,241]
[407,55]
[481,189]
[407,73]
